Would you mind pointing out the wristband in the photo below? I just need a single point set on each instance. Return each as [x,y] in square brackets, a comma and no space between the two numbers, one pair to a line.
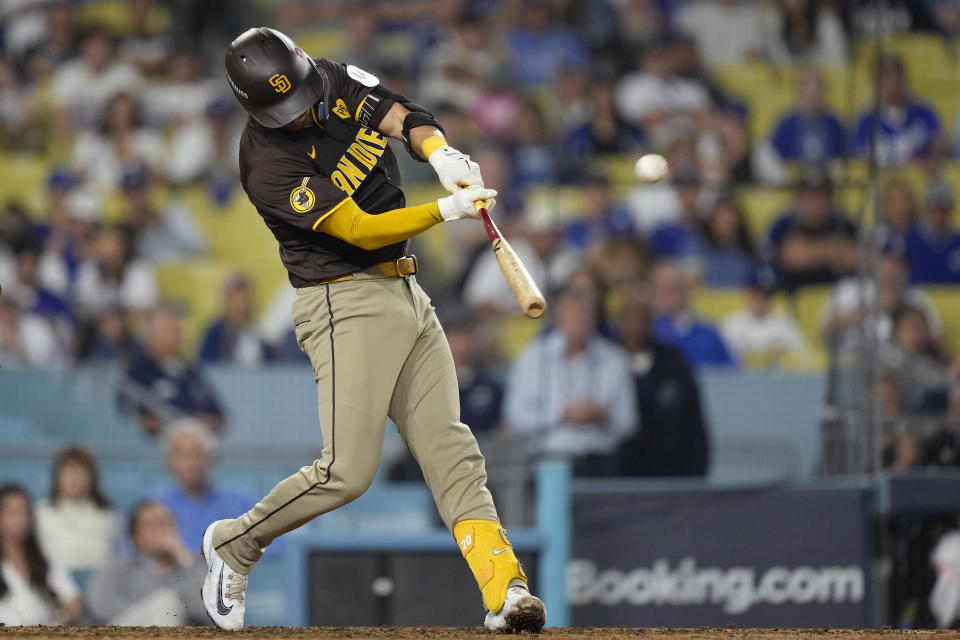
[431,144]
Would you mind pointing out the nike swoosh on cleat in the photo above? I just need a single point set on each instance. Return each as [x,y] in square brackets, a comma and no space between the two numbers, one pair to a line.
[497,552]
[222,608]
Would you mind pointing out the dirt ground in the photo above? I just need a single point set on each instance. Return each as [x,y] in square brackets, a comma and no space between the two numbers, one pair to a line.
[460,633]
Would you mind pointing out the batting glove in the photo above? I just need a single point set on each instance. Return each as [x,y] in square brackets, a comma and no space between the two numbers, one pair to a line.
[461,204]
[455,169]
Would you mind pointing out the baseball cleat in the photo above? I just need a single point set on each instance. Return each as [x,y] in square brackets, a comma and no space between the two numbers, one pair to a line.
[223,589]
[521,611]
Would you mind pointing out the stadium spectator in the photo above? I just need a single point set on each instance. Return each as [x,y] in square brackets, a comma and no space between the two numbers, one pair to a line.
[732,32]
[679,238]
[672,439]
[893,281]
[570,392]
[813,33]
[604,131]
[232,338]
[898,214]
[26,288]
[724,250]
[33,589]
[108,338]
[677,198]
[206,149]
[82,87]
[194,498]
[811,133]
[145,43]
[914,359]
[160,386]
[675,324]
[538,242]
[603,215]
[481,394]
[27,338]
[458,69]
[19,113]
[812,243]
[903,129]
[76,526]
[656,98]
[759,336]
[540,48]
[933,245]
[121,140]
[158,585]
[113,276]
[182,95]
[162,234]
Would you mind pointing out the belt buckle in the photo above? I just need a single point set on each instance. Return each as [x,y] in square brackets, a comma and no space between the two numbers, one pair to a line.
[397,265]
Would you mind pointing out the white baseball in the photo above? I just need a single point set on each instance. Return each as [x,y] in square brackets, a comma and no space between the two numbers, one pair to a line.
[651,168]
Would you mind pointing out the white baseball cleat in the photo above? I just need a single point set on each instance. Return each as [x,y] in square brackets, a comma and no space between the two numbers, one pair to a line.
[521,611]
[223,589]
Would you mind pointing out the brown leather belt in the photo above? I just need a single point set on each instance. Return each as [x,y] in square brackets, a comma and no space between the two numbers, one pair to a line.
[399,268]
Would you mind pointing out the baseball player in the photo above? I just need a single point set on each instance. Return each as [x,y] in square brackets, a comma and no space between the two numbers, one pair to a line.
[314,161]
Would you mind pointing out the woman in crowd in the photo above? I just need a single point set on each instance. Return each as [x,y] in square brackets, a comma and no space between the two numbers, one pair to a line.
[32,589]
[76,525]
[727,252]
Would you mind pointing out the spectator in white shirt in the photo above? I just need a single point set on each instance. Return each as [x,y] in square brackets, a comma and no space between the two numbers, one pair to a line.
[759,336]
[33,590]
[163,233]
[732,32]
[82,88]
[114,276]
[851,296]
[656,97]
[120,142]
[571,391]
[76,526]
[26,338]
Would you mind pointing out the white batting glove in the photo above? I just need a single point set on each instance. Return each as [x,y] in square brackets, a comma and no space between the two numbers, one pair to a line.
[455,169]
[460,204]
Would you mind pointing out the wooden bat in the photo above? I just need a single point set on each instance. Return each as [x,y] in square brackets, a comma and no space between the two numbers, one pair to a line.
[528,295]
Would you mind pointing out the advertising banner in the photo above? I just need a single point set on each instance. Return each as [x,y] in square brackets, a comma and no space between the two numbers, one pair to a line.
[779,557]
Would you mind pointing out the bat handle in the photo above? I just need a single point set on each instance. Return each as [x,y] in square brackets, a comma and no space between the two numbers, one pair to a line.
[492,231]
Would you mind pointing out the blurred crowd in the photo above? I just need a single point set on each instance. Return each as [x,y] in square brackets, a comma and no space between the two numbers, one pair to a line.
[73,558]
[125,102]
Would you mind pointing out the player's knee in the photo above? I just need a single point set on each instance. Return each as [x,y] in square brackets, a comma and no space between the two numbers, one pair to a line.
[357,485]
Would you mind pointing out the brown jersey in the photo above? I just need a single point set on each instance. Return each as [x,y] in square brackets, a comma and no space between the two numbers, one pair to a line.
[294,178]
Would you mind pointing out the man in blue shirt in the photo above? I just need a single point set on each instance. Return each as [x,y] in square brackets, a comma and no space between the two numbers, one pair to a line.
[676,325]
[680,238]
[932,245]
[540,49]
[160,386]
[193,498]
[902,129]
[811,133]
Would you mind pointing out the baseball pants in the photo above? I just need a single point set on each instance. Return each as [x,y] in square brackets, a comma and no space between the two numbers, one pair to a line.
[377,350]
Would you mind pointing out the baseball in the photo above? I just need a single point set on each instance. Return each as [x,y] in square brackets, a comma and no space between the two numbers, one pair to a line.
[651,168]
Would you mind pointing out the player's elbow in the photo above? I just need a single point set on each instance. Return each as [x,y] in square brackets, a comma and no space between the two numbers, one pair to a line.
[368,244]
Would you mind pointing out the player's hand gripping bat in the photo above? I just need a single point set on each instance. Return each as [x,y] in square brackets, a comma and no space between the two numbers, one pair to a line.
[528,295]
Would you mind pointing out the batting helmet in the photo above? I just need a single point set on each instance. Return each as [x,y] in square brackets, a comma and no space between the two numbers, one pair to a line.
[272,78]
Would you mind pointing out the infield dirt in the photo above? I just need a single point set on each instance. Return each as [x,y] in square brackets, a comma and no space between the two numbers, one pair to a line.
[459,633]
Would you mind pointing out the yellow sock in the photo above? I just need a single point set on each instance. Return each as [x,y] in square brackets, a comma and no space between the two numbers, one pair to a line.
[486,548]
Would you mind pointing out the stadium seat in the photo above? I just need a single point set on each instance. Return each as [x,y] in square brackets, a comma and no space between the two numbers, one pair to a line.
[947,301]
[809,304]
[761,206]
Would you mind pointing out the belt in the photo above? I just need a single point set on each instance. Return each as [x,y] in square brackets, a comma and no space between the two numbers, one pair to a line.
[399,268]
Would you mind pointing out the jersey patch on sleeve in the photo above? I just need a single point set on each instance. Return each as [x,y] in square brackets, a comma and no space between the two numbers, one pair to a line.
[361,76]
[302,197]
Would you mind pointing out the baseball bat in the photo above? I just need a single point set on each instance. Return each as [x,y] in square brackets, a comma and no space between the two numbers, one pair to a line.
[528,295]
